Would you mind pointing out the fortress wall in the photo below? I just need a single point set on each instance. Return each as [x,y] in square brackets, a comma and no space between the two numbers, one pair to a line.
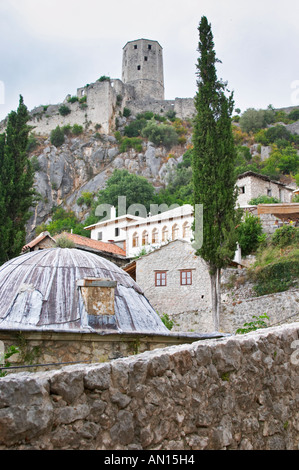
[237,393]
[183,107]
[156,106]
[101,102]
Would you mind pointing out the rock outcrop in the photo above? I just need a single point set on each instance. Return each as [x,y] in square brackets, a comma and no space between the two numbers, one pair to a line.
[83,164]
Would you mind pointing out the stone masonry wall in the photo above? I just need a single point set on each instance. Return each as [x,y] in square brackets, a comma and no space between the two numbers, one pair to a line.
[239,392]
[255,187]
[174,298]
[99,109]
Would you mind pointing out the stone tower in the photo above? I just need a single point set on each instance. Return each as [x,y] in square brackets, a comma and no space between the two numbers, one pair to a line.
[143,69]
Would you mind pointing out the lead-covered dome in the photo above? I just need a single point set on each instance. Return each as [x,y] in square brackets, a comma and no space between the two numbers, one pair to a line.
[69,289]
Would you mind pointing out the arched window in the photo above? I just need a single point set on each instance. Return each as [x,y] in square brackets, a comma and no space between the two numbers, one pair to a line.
[186,230]
[175,232]
[155,235]
[135,240]
[164,234]
[144,238]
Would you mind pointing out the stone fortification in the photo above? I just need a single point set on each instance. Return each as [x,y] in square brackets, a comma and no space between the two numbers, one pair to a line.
[239,392]
[97,110]
[141,89]
[143,68]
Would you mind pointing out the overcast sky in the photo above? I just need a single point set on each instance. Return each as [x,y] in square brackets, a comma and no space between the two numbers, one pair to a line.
[49,48]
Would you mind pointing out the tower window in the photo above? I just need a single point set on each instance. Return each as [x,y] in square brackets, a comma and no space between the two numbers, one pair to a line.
[145,58]
[138,67]
[149,47]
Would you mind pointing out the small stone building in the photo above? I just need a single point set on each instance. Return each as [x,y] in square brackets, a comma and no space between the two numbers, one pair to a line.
[42,241]
[110,251]
[175,281]
[252,185]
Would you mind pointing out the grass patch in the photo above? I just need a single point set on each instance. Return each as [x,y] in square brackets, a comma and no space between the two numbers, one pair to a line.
[277,266]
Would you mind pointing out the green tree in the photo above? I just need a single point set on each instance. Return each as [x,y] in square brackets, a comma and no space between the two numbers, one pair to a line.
[249,234]
[63,221]
[160,134]
[136,189]
[281,161]
[252,120]
[213,165]
[17,194]
[57,136]
[64,110]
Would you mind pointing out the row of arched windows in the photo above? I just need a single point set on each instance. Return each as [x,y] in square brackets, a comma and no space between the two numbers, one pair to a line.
[152,237]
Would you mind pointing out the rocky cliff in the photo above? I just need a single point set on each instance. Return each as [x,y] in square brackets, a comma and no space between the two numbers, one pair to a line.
[84,163]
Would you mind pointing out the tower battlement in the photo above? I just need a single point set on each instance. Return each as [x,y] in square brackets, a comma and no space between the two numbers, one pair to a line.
[142,68]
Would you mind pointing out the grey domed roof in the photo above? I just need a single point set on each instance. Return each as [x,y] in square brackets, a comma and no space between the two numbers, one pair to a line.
[40,290]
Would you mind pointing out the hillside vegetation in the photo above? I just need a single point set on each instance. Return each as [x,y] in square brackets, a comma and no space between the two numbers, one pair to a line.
[254,130]
[277,263]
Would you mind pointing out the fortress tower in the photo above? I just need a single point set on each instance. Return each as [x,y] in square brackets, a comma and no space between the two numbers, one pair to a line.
[143,69]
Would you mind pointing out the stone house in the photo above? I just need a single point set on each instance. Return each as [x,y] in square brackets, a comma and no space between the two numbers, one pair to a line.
[252,185]
[42,241]
[175,281]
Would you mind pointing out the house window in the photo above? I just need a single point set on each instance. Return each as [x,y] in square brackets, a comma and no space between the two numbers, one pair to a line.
[164,234]
[186,277]
[155,236]
[175,232]
[138,67]
[186,230]
[144,238]
[160,278]
[145,59]
[135,241]
[149,47]
[242,190]
[269,192]
[100,236]
[117,232]
[280,195]
[135,46]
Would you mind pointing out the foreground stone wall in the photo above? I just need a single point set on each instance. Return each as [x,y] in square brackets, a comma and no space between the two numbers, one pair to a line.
[234,393]
[46,347]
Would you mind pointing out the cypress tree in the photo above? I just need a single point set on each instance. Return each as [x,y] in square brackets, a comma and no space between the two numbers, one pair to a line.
[17,195]
[213,163]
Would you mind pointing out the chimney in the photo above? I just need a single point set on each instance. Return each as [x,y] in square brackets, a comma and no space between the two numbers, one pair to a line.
[112,213]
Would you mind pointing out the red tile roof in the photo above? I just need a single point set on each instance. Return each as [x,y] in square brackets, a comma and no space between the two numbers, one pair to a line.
[37,240]
[93,244]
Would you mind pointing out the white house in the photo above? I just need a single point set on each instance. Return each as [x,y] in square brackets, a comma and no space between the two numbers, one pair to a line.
[135,233]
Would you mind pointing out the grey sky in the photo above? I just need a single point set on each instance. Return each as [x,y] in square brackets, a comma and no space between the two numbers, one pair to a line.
[49,48]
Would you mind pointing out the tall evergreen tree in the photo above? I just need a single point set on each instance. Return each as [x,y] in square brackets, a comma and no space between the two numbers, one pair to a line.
[214,181]
[16,183]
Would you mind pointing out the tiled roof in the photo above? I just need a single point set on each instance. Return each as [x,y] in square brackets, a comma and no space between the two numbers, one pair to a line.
[37,240]
[79,240]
